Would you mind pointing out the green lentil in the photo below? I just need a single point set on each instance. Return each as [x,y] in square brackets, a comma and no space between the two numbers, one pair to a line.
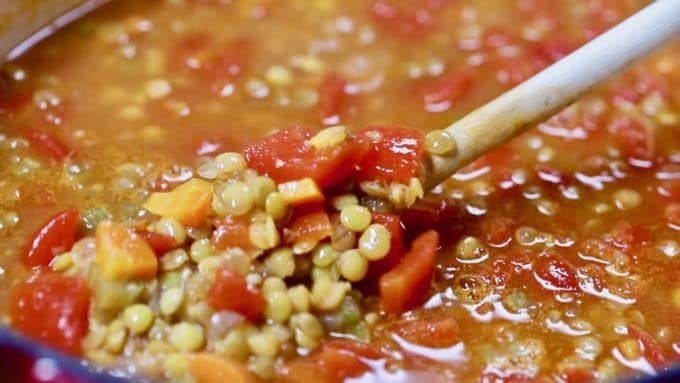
[272,284]
[327,294]
[275,205]
[264,235]
[374,243]
[62,261]
[308,330]
[138,318]
[173,228]
[230,162]
[440,143]
[329,137]
[264,343]
[342,200]
[355,217]
[262,187]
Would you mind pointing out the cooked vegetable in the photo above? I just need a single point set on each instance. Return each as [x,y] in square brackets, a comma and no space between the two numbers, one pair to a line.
[230,291]
[189,203]
[122,254]
[53,238]
[212,368]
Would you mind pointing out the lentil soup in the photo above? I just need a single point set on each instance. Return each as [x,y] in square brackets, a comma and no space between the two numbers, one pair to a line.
[207,191]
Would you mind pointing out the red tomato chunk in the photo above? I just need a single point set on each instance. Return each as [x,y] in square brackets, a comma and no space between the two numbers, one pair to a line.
[54,238]
[52,308]
[230,291]
[394,154]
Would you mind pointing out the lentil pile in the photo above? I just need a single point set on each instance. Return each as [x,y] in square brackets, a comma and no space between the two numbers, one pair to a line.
[230,191]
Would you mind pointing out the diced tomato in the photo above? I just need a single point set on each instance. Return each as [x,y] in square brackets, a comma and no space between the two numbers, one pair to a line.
[652,351]
[394,154]
[51,308]
[553,50]
[309,222]
[626,235]
[405,286]
[231,231]
[578,375]
[159,243]
[188,49]
[332,98]
[287,155]
[448,88]
[444,215]
[437,331]
[498,230]
[335,361]
[223,68]
[556,275]
[377,268]
[498,36]
[398,21]
[47,145]
[633,138]
[230,291]
[11,101]
[53,238]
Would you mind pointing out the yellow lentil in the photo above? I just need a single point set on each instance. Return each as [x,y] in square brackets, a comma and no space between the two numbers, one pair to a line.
[175,367]
[324,255]
[352,265]
[471,249]
[272,284]
[329,137]
[138,318]
[170,301]
[174,259]
[278,75]
[374,243]
[280,262]
[343,200]
[236,198]
[626,199]
[200,250]
[116,336]
[355,217]
[207,266]
[308,330]
[230,162]
[238,259]
[299,296]
[234,345]
[186,336]
[172,228]
[264,343]
[62,262]
[264,235]
[440,143]
[279,306]
[275,206]
[327,294]
[262,187]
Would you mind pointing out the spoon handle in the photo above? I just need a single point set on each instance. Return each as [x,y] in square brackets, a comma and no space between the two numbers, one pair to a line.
[557,86]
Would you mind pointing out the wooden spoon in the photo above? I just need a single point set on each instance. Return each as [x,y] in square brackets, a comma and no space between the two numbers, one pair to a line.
[555,87]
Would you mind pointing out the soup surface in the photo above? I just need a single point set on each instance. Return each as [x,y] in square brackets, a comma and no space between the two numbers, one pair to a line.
[292,255]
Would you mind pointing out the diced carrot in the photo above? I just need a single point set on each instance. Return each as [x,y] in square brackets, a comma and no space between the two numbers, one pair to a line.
[309,222]
[230,291]
[231,231]
[53,238]
[122,254]
[404,287]
[189,203]
[159,243]
[212,368]
[300,192]
[431,331]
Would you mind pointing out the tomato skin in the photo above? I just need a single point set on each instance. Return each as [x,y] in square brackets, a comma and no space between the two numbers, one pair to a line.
[52,308]
[436,331]
[556,275]
[47,145]
[159,243]
[53,238]
[231,231]
[309,222]
[394,153]
[287,156]
[332,98]
[405,286]
[230,291]
[450,87]
[633,138]
[652,350]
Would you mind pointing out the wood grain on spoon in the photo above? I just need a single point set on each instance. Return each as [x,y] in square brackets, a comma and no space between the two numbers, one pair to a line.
[554,88]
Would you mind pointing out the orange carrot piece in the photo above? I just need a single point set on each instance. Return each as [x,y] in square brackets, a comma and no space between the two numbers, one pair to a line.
[189,203]
[211,368]
[122,254]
